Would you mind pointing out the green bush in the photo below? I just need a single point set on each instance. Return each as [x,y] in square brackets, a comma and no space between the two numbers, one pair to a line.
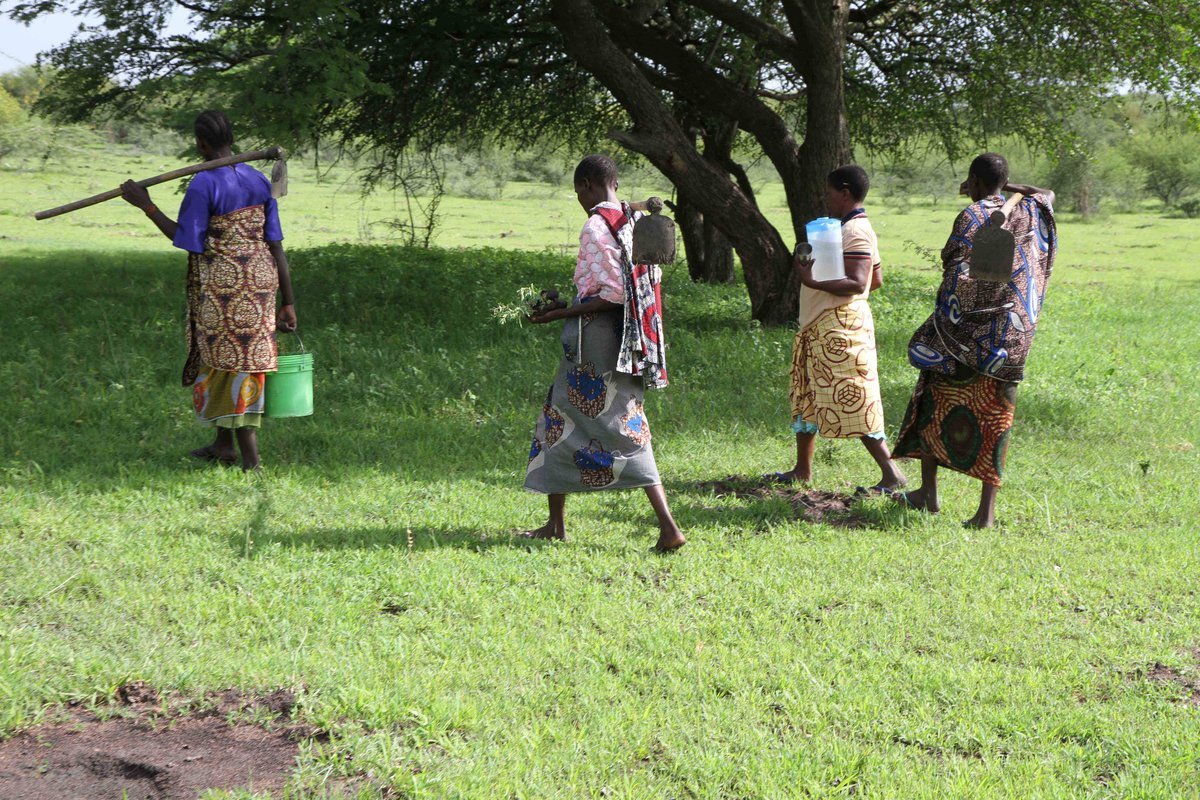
[24,84]
[539,166]
[476,173]
[1190,206]
[1169,163]
[11,112]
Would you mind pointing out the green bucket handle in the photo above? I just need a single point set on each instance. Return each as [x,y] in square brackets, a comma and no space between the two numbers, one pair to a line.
[303,349]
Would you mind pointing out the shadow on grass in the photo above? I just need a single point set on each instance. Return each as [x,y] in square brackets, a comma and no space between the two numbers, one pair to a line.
[413,375]
[399,540]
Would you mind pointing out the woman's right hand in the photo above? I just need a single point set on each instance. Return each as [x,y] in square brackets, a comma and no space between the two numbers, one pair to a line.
[547,316]
[285,320]
[136,195]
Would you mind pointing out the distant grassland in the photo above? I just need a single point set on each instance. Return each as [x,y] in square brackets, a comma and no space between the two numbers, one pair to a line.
[371,567]
[327,205]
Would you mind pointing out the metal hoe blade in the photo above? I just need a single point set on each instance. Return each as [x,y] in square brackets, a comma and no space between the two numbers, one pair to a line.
[992,255]
[993,251]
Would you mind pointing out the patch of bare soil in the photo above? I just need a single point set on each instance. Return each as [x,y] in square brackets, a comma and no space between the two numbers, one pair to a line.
[1161,673]
[811,505]
[156,749]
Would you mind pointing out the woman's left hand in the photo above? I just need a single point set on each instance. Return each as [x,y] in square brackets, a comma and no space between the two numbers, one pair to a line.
[136,195]
[804,267]
[286,319]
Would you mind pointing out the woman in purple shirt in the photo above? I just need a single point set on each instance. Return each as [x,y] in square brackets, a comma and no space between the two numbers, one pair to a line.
[229,226]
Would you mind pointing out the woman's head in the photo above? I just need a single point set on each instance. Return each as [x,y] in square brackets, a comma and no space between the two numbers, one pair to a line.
[214,132]
[846,188]
[595,180]
[987,176]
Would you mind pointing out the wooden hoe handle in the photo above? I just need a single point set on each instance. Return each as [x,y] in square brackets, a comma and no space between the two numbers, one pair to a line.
[1000,216]
[256,155]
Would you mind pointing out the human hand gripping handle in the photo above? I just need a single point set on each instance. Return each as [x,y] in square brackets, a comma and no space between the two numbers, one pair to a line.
[285,320]
[136,195]
[802,262]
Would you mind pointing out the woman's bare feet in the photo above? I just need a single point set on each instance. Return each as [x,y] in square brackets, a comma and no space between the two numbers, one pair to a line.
[247,439]
[547,531]
[980,521]
[918,500]
[670,539]
[985,517]
[215,454]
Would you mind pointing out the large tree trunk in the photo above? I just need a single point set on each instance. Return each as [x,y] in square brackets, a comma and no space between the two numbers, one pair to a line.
[827,131]
[709,254]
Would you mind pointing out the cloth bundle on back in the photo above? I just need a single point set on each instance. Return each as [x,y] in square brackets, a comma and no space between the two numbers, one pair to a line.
[643,343]
[595,407]
[973,349]
[986,325]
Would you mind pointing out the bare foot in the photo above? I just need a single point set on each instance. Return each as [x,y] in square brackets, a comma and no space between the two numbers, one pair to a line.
[669,540]
[980,521]
[547,531]
[918,501]
[213,453]
[789,477]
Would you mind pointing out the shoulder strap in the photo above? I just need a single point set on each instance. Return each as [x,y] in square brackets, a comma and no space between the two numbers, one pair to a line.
[615,218]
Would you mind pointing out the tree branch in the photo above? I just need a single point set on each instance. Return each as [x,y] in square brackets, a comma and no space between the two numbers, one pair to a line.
[753,27]
[704,86]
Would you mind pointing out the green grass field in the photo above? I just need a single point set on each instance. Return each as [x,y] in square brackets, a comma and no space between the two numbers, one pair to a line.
[372,565]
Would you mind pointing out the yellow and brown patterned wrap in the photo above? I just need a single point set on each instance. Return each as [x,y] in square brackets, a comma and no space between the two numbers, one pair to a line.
[835,381]
[231,298]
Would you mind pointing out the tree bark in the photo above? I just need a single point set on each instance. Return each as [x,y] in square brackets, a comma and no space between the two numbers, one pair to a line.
[827,131]
[709,253]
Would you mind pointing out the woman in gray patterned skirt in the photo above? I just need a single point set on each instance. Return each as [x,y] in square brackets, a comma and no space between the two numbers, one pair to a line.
[593,433]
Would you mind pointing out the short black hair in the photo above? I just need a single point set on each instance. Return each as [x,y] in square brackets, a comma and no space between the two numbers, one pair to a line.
[596,168]
[852,177]
[214,129]
[992,171]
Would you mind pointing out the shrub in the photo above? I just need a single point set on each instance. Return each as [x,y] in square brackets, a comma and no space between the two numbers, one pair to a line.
[11,112]
[1169,163]
[477,173]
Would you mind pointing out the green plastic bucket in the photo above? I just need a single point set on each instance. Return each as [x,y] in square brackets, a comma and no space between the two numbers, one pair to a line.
[290,389]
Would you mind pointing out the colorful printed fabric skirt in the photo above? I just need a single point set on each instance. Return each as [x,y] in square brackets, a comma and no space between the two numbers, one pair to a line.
[593,433]
[835,381]
[231,298]
[229,399]
[961,420]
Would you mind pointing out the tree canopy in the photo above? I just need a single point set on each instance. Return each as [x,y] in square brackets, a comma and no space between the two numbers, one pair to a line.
[680,83]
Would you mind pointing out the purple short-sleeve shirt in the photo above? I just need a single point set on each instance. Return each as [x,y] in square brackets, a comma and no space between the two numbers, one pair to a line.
[219,191]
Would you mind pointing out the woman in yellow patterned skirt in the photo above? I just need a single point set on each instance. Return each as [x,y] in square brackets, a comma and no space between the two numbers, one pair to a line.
[229,225]
[835,379]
